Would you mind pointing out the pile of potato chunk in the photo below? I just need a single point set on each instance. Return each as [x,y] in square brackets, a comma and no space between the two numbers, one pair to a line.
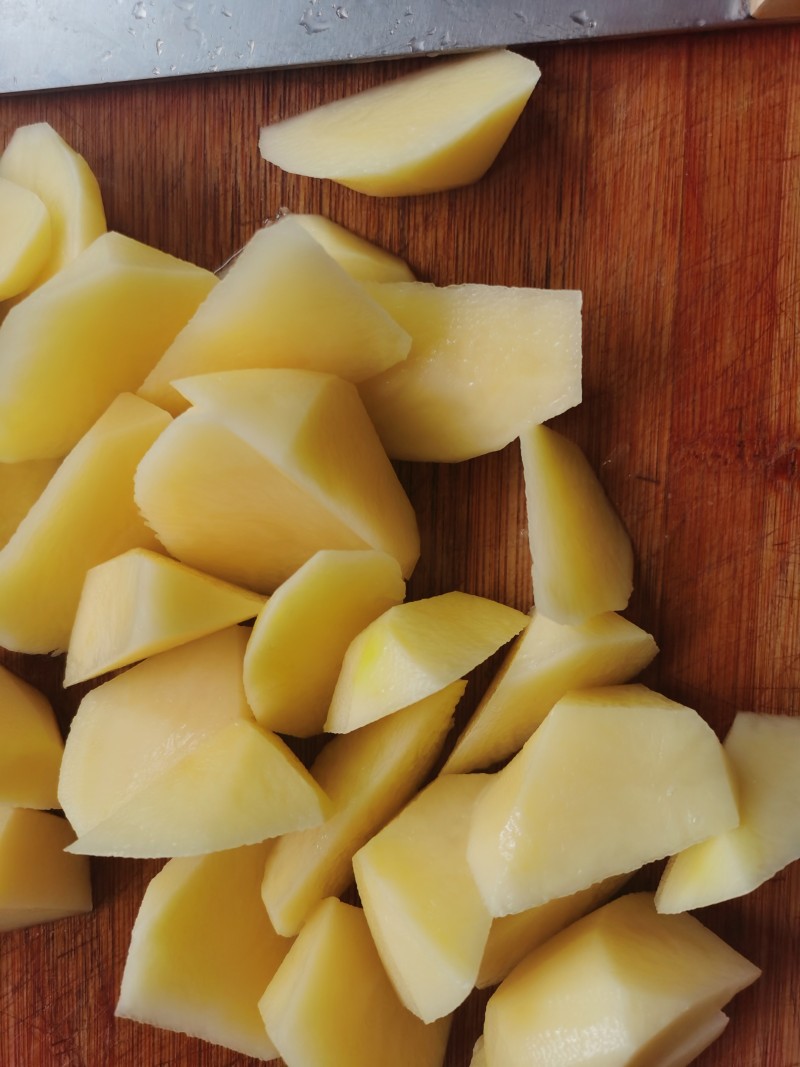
[227,460]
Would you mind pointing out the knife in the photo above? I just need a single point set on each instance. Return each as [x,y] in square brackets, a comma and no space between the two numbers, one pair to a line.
[51,44]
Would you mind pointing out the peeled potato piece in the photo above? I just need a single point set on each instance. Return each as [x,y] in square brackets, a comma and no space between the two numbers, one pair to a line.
[764,753]
[415,649]
[546,661]
[284,302]
[368,774]
[300,637]
[166,760]
[92,332]
[85,515]
[202,951]
[39,881]
[269,467]
[424,910]
[140,603]
[486,362]
[582,554]
[331,1004]
[608,782]
[30,745]
[436,129]
[361,259]
[39,159]
[24,237]
[623,985]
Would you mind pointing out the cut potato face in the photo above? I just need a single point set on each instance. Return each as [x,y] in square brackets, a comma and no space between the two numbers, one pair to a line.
[621,773]
[331,1004]
[141,603]
[299,639]
[165,760]
[202,951]
[546,661]
[437,129]
[21,484]
[486,362]
[24,238]
[582,554]
[368,775]
[70,348]
[415,649]
[424,910]
[361,259]
[39,881]
[268,468]
[764,753]
[39,159]
[284,302]
[86,514]
[30,745]
[617,985]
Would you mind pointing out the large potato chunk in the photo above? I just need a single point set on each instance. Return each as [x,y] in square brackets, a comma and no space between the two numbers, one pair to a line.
[331,1004]
[30,745]
[202,951]
[299,640]
[140,603]
[486,362]
[39,881]
[24,237]
[283,303]
[20,485]
[582,554]
[39,159]
[91,332]
[415,649]
[437,129]
[268,468]
[545,662]
[622,986]
[368,774]
[764,752]
[610,780]
[85,515]
[166,760]
[426,915]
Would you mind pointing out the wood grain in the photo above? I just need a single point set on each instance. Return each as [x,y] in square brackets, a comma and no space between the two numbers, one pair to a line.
[662,178]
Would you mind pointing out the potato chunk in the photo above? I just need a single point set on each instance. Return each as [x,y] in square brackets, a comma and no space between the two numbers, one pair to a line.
[426,915]
[331,1004]
[39,881]
[621,774]
[415,649]
[24,237]
[202,951]
[284,302]
[437,129]
[764,752]
[140,603]
[30,745]
[85,515]
[166,760]
[623,985]
[486,362]
[21,484]
[39,159]
[268,468]
[92,332]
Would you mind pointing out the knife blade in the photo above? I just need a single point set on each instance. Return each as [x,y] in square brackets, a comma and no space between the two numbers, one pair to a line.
[50,44]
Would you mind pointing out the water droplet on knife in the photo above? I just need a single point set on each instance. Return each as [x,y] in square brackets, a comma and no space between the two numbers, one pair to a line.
[341,13]
[139,10]
[583,18]
[159,46]
[314,20]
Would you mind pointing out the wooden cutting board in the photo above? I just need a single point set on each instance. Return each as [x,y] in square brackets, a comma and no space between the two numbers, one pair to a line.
[662,178]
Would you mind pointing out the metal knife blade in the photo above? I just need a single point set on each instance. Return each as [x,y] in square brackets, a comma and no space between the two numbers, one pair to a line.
[48,44]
